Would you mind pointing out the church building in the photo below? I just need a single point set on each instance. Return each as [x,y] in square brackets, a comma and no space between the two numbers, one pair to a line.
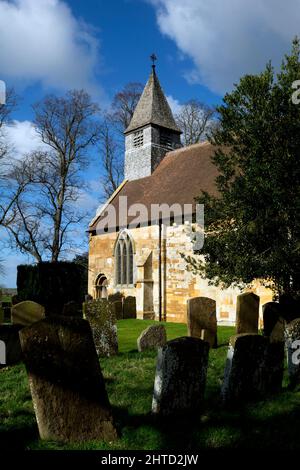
[145,260]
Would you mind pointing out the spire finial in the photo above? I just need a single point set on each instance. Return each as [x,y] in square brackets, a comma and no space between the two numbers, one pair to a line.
[153,59]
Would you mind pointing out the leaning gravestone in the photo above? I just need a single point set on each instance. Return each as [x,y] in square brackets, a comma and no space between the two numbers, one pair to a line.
[66,383]
[254,368]
[101,317]
[26,313]
[180,377]
[292,342]
[247,313]
[154,336]
[129,307]
[202,319]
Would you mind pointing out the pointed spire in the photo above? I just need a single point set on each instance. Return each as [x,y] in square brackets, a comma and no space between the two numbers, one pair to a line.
[153,107]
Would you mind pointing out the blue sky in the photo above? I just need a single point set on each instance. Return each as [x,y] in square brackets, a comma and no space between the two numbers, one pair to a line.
[202,47]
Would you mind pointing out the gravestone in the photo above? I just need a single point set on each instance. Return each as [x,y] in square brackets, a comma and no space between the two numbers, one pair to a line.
[66,382]
[254,368]
[117,307]
[153,337]
[26,313]
[271,313]
[129,307]
[247,313]
[101,316]
[72,309]
[202,319]
[2,353]
[9,334]
[292,342]
[180,377]
[117,296]
[6,307]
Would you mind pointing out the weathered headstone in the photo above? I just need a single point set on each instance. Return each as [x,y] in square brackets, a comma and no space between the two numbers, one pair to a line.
[6,307]
[72,309]
[117,307]
[154,336]
[254,368]
[2,353]
[101,316]
[271,313]
[129,307]
[247,313]
[66,383]
[202,319]
[292,342]
[9,335]
[26,313]
[116,296]
[180,377]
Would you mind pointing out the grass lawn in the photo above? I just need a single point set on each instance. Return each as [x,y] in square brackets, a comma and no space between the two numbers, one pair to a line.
[272,423]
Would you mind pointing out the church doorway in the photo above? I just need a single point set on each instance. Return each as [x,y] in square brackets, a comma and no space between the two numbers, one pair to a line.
[101,287]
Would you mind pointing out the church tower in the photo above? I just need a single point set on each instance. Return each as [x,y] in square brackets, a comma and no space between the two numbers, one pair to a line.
[152,131]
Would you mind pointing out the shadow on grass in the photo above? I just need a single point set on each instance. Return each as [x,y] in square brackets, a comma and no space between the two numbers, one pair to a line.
[18,438]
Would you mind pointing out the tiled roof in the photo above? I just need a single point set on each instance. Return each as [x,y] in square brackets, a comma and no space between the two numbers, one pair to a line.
[178,179]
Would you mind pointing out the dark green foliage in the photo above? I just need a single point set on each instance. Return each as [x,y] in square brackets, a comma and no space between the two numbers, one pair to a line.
[51,284]
[253,227]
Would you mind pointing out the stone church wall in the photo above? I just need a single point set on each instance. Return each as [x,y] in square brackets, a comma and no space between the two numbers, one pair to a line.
[178,283]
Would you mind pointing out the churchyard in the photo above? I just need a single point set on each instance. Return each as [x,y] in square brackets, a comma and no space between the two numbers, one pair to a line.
[269,421]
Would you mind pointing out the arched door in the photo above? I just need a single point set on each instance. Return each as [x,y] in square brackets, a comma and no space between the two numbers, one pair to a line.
[101,287]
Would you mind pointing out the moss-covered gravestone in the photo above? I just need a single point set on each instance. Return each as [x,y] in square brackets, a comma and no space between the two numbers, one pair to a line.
[254,368]
[153,337]
[180,377]
[66,382]
[247,313]
[202,319]
[102,319]
[26,313]
[129,307]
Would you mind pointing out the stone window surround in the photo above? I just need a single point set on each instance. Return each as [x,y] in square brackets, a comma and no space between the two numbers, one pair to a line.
[124,240]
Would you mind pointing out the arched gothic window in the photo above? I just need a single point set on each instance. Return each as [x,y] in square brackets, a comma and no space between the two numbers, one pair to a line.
[124,260]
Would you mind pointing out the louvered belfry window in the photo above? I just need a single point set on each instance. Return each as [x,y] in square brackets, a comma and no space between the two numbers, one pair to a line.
[138,138]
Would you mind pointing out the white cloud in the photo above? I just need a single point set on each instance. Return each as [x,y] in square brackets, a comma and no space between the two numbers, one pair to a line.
[174,105]
[227,39]
[23,138]
[41,40]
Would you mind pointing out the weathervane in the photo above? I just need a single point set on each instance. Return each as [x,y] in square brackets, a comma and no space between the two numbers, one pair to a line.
[153,58]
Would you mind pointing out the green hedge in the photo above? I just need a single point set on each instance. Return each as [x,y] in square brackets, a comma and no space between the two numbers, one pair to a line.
[51,284]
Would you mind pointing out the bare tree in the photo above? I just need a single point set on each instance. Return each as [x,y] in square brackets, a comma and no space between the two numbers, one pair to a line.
[196,120]
[112,162]
[112,136]
[50,182]
[124,104]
